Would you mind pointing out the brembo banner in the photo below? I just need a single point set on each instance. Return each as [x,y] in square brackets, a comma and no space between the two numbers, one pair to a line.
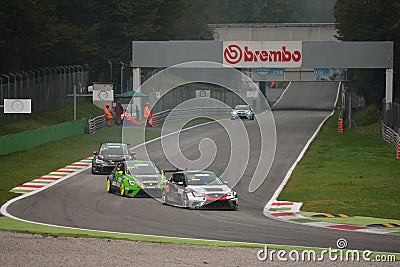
[262,54]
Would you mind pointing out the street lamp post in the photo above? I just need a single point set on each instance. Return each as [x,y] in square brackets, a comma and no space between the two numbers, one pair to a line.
[15,84]
[122,75]
[27,79]
[20,85]
[109,62]
[8,85]
[1,90]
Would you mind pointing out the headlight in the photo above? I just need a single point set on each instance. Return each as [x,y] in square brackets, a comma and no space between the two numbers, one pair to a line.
[99,161]
[231,194]
[197,194]
[234,112]
[132,182]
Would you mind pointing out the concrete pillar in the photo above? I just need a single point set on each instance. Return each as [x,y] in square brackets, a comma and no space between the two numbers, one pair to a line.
[389,86]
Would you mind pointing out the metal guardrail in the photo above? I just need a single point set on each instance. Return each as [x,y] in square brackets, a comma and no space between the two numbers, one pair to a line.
[181,114]
[391,125]
[391,137]
[391,115]
[96,123]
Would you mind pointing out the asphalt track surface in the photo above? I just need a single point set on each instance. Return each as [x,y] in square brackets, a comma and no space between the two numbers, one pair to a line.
[82,201]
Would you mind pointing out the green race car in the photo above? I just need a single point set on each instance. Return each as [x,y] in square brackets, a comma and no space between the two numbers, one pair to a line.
[136,178]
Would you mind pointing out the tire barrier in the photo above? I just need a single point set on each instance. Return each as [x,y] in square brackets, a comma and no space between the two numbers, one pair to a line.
[340,125]
[96,123]
[398,148]
[340,121]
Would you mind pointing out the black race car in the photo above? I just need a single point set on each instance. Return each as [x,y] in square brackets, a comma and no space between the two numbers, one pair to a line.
[108,156]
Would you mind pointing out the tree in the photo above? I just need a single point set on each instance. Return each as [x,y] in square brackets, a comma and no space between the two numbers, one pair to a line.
[370,20]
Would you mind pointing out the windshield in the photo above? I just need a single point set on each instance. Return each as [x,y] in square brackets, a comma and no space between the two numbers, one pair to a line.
[113,150]
[242,107]
[143,169]
[203,179]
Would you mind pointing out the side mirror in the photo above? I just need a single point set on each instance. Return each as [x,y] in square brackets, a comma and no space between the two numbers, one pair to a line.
[94,152]
[133,153]
[180,183]
[225,182]
[120,172]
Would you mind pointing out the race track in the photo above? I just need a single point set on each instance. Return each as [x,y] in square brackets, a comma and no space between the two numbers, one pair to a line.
[82,201]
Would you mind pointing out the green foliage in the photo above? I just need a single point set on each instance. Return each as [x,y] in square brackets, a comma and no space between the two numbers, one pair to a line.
[261,11]
[370,20]
[50,33]
[367,116]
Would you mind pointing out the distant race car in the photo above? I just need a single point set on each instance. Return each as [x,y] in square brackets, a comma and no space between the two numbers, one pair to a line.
[136,178]
[242,111]
[108,156]
[199,189]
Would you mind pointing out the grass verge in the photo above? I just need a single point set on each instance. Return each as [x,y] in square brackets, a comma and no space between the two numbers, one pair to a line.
[354,173]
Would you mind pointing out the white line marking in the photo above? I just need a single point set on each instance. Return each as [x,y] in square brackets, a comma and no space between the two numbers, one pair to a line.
[279,99]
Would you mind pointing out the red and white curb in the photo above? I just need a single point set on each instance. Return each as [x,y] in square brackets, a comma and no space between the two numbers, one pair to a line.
[289,211]
[53,177]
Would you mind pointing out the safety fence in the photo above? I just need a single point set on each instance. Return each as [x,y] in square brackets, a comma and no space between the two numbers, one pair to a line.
[46,87]
[391,125]
[159,118]
[96,123]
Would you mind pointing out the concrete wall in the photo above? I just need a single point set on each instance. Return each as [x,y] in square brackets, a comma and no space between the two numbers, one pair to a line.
[34,138]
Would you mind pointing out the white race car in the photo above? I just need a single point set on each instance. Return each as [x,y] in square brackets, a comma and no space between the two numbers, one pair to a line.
[242,111]
[199,189]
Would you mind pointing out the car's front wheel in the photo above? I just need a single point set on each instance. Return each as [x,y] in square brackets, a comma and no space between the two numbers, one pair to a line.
[185,201]
[93,170]
[122,189]
[109,186]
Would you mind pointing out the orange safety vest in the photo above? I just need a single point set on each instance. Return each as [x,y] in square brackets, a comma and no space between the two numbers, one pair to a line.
[107,113]
[146,112]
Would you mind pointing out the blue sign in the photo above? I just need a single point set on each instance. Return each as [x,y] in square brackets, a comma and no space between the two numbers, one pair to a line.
[268,74]
[329,74]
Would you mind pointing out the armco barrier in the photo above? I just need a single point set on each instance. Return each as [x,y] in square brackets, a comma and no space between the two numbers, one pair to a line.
[391,137]
[182,114]
[33,138]
[96,123]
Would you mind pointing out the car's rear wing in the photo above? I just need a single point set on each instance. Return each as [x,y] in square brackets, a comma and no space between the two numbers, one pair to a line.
[175,170]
